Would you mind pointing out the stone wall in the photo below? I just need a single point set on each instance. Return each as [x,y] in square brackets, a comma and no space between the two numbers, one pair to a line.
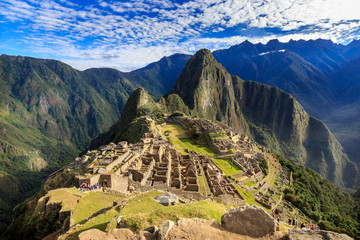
[119,183]
[118,160]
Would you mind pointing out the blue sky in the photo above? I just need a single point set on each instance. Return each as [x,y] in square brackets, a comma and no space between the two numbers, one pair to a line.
[130,34]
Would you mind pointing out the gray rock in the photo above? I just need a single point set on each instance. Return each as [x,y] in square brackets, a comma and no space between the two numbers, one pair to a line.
[167,199]
[152,229]
[164,229]
[252,221]
[296,234]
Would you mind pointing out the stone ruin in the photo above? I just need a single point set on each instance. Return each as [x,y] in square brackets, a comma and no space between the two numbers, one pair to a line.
[117,166]
[156,163]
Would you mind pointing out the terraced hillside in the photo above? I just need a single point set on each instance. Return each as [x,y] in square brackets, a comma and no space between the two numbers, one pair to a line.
[108,205]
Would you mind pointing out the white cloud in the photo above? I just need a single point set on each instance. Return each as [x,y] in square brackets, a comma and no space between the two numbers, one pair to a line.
[136,32]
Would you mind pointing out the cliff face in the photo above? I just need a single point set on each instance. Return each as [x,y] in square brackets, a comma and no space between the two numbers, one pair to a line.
[273,117]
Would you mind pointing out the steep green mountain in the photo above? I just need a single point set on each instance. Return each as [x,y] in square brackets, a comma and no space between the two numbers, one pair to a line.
[49,112]
[273,117]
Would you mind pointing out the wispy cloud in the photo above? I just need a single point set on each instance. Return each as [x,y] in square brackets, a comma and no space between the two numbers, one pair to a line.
[130,34]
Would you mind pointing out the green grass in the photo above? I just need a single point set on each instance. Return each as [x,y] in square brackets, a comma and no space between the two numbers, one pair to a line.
[204,186]
[99,222]
[250,183]
[227,167]
[142,204]
[183,144]
[91,203]
[67,197]
[142,211]
[203,209]
[248,196]
[175,131]
[180,138]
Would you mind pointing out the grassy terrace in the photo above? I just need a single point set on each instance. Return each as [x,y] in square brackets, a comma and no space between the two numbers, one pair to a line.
[204,186]
[91,203]
[183,144]
[250,183]
[227,167]
[142,211]
[180,138]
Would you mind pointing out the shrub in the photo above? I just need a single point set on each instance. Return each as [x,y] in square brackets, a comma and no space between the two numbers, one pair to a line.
[177,114]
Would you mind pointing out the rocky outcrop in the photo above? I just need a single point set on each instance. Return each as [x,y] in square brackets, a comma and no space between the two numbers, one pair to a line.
[251,221]
[316,235]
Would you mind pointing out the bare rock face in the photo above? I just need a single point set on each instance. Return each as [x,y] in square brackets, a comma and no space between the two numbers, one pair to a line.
[296,234]
[252,221]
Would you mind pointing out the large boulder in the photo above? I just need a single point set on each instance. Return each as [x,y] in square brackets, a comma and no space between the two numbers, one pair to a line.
[164,229]
[296,234]
[252,221]
[167,199]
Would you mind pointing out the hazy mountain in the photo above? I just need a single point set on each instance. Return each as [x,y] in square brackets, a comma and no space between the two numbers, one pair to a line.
[159,77]
[323,76]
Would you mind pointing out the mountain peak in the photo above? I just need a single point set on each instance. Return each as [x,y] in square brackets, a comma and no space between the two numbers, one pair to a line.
[198,71]
[204,55]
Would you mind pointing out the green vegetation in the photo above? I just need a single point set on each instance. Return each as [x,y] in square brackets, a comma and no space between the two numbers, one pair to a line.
[250,183]
[231,151]
[99,222]
[264,166]
[249,198]
[179,137]
[227,166]
[320,200]
[175,131]
[142,211]
[204,186]
[91,203]
[177,114]
[217,135]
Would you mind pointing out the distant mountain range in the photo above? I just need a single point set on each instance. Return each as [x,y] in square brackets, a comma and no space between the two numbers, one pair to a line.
[49,112]
[323,76]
